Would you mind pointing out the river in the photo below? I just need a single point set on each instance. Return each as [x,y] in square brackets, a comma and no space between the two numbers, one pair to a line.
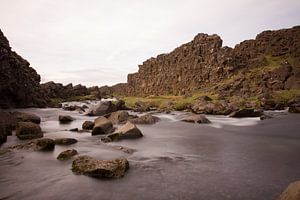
[238,159]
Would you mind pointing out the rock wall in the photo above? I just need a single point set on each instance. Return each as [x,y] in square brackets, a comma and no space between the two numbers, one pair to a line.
[58,90]
[204,63]
[19,83]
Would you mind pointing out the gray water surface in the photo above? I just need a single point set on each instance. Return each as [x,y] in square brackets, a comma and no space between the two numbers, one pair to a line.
[239,159]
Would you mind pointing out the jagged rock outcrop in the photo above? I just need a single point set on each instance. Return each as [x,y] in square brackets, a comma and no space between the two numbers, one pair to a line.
[270,62]
[19,83]
[58,90]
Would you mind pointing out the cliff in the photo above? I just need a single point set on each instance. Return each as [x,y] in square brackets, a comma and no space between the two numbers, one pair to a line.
[19,83]
[270,62]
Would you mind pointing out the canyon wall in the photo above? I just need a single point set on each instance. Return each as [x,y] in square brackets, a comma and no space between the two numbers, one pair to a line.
[19,83]
[204,63]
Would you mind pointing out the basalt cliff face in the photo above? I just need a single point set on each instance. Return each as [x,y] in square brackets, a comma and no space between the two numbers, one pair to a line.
[19,83]
[267,63]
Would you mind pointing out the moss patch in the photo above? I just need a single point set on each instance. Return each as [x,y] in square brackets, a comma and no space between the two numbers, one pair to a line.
[285,96]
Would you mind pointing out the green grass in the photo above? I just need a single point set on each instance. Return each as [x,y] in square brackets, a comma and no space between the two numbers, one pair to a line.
[164,101]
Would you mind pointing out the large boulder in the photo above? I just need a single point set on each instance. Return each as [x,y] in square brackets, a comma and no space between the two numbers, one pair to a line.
[102,108]
[119,117]
[127,131]
[200,119]
[67,154]
[88,125]
[208,107]
[28,130]
[65,119]
[65,141]
[43,144]
[100,168]
[145,119]
[26,117]
[292,192]
[120,105]
[102,126]
[247,112]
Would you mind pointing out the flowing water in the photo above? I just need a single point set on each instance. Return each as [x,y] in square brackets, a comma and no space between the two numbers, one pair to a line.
[238,159]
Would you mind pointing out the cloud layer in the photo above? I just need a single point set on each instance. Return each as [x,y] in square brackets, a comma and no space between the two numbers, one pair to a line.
[98,42]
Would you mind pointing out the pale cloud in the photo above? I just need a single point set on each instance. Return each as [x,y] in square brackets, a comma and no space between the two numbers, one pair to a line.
[98,42]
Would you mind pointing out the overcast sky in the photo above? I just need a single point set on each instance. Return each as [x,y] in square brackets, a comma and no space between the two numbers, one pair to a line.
[98,42]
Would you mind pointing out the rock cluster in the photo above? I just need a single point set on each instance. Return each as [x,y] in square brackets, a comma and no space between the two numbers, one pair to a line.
[58,90]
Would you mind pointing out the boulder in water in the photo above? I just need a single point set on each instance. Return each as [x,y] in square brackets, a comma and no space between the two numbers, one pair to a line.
[67,154]
[65,119]
[65,141]
[145,119]
[88,125]
[200,119]
[28,130]
[100,168]
[102,126]
[127,131]
[43,144]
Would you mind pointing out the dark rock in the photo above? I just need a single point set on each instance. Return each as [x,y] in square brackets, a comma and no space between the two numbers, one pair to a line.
[26,117]
[57,90]
[145,119]
[102,108]
[102,126]
[127,131]
[65,119]
[74,130]
[65,141]
[67,154]
[100,168]
[19,83]
[120,105]
[28,130]
[119,117]
[292,192]
[200,119]
[88,125]
[43,144]
[246,113]
[215,108]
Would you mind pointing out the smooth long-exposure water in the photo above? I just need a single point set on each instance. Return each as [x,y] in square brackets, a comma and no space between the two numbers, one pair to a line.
[228,159]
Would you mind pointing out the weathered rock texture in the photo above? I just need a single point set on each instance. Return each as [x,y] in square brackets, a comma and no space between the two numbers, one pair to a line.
[269,62]
[19,83]
[58,90]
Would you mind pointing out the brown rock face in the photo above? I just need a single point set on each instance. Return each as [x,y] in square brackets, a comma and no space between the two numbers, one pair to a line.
[269,62]
[19,83]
